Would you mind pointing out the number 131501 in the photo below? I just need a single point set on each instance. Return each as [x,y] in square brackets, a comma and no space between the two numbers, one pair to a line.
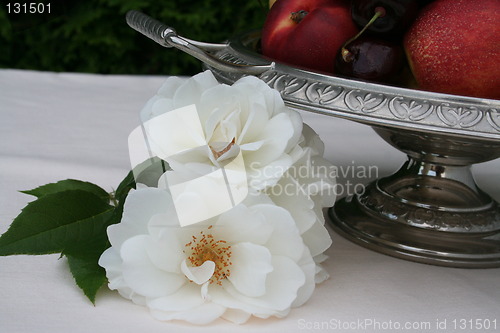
[28,8]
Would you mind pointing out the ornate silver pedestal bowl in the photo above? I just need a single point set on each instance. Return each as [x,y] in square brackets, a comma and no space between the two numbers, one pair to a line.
[431,210]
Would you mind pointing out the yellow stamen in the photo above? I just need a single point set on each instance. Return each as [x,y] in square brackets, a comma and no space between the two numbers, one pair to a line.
[218,154]
[207,248]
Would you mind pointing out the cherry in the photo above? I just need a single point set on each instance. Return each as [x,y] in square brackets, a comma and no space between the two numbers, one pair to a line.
[394,19]
[370,59]
[423,3]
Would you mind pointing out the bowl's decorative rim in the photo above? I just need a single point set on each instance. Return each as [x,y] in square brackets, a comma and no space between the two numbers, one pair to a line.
[365,102]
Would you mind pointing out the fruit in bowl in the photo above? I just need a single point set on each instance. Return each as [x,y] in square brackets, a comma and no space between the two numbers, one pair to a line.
[307,33]
[313,34]
[370,59]
[454,47]
[450,46]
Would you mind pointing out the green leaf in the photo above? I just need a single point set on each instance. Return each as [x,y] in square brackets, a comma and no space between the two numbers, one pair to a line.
[125,186]
[69,184]
[71,217]
[88,275]
[55,222]
[83,258]
[83,263]
[150,171]
[147,172]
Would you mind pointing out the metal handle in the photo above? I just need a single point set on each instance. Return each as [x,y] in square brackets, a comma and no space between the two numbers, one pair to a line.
[149,27]
[167,37]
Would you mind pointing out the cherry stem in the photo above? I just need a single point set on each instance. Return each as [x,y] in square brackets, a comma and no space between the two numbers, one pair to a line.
[346,54]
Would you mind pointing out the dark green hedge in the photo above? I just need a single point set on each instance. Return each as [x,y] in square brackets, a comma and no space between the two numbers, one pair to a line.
[92,35]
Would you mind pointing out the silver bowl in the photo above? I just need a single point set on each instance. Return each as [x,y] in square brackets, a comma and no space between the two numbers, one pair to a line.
[431,210]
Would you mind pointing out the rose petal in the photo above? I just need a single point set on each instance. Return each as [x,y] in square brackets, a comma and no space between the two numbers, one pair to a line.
[282,285]
[277,132]
[284,233]
[174,132]
[261,176]
[192,90]
[236,316]
[111,261]
[159,105]
[317,239]
[201,315]
[308,266]
[142,275]
[172,83]
[185,304]
[159,223]
[250,133]
[185,298]
[289,194]
[321,274]
[312,140]
[251,146]
[198,274]
[165,250]
[139,207]
[251,265]
[320,258]
[219,111]
[242,224]
[297,124]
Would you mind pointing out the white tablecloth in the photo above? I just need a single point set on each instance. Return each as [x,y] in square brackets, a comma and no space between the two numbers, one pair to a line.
[57,126]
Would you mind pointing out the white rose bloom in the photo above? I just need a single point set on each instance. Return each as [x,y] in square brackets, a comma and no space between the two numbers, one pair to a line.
[260,257]
[250,260]
[247,116]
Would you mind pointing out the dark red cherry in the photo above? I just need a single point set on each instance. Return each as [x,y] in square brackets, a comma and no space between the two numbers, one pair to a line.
[370,59]
[394,19]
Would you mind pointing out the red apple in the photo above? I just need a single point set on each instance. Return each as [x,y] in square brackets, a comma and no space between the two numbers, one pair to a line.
[454,47]
[307,33]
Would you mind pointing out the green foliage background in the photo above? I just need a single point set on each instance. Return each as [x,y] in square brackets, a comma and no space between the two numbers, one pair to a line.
[92,35]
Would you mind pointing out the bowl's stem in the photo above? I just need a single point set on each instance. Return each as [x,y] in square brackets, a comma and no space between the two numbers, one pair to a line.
[428,211]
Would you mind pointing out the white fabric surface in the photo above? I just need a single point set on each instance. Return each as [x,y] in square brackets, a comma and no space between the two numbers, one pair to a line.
[57,126]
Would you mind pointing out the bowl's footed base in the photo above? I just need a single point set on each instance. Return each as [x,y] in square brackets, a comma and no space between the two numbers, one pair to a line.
[452,237]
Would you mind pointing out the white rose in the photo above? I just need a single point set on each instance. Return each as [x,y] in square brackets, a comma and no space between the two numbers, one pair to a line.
[250,260]
[247,116]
